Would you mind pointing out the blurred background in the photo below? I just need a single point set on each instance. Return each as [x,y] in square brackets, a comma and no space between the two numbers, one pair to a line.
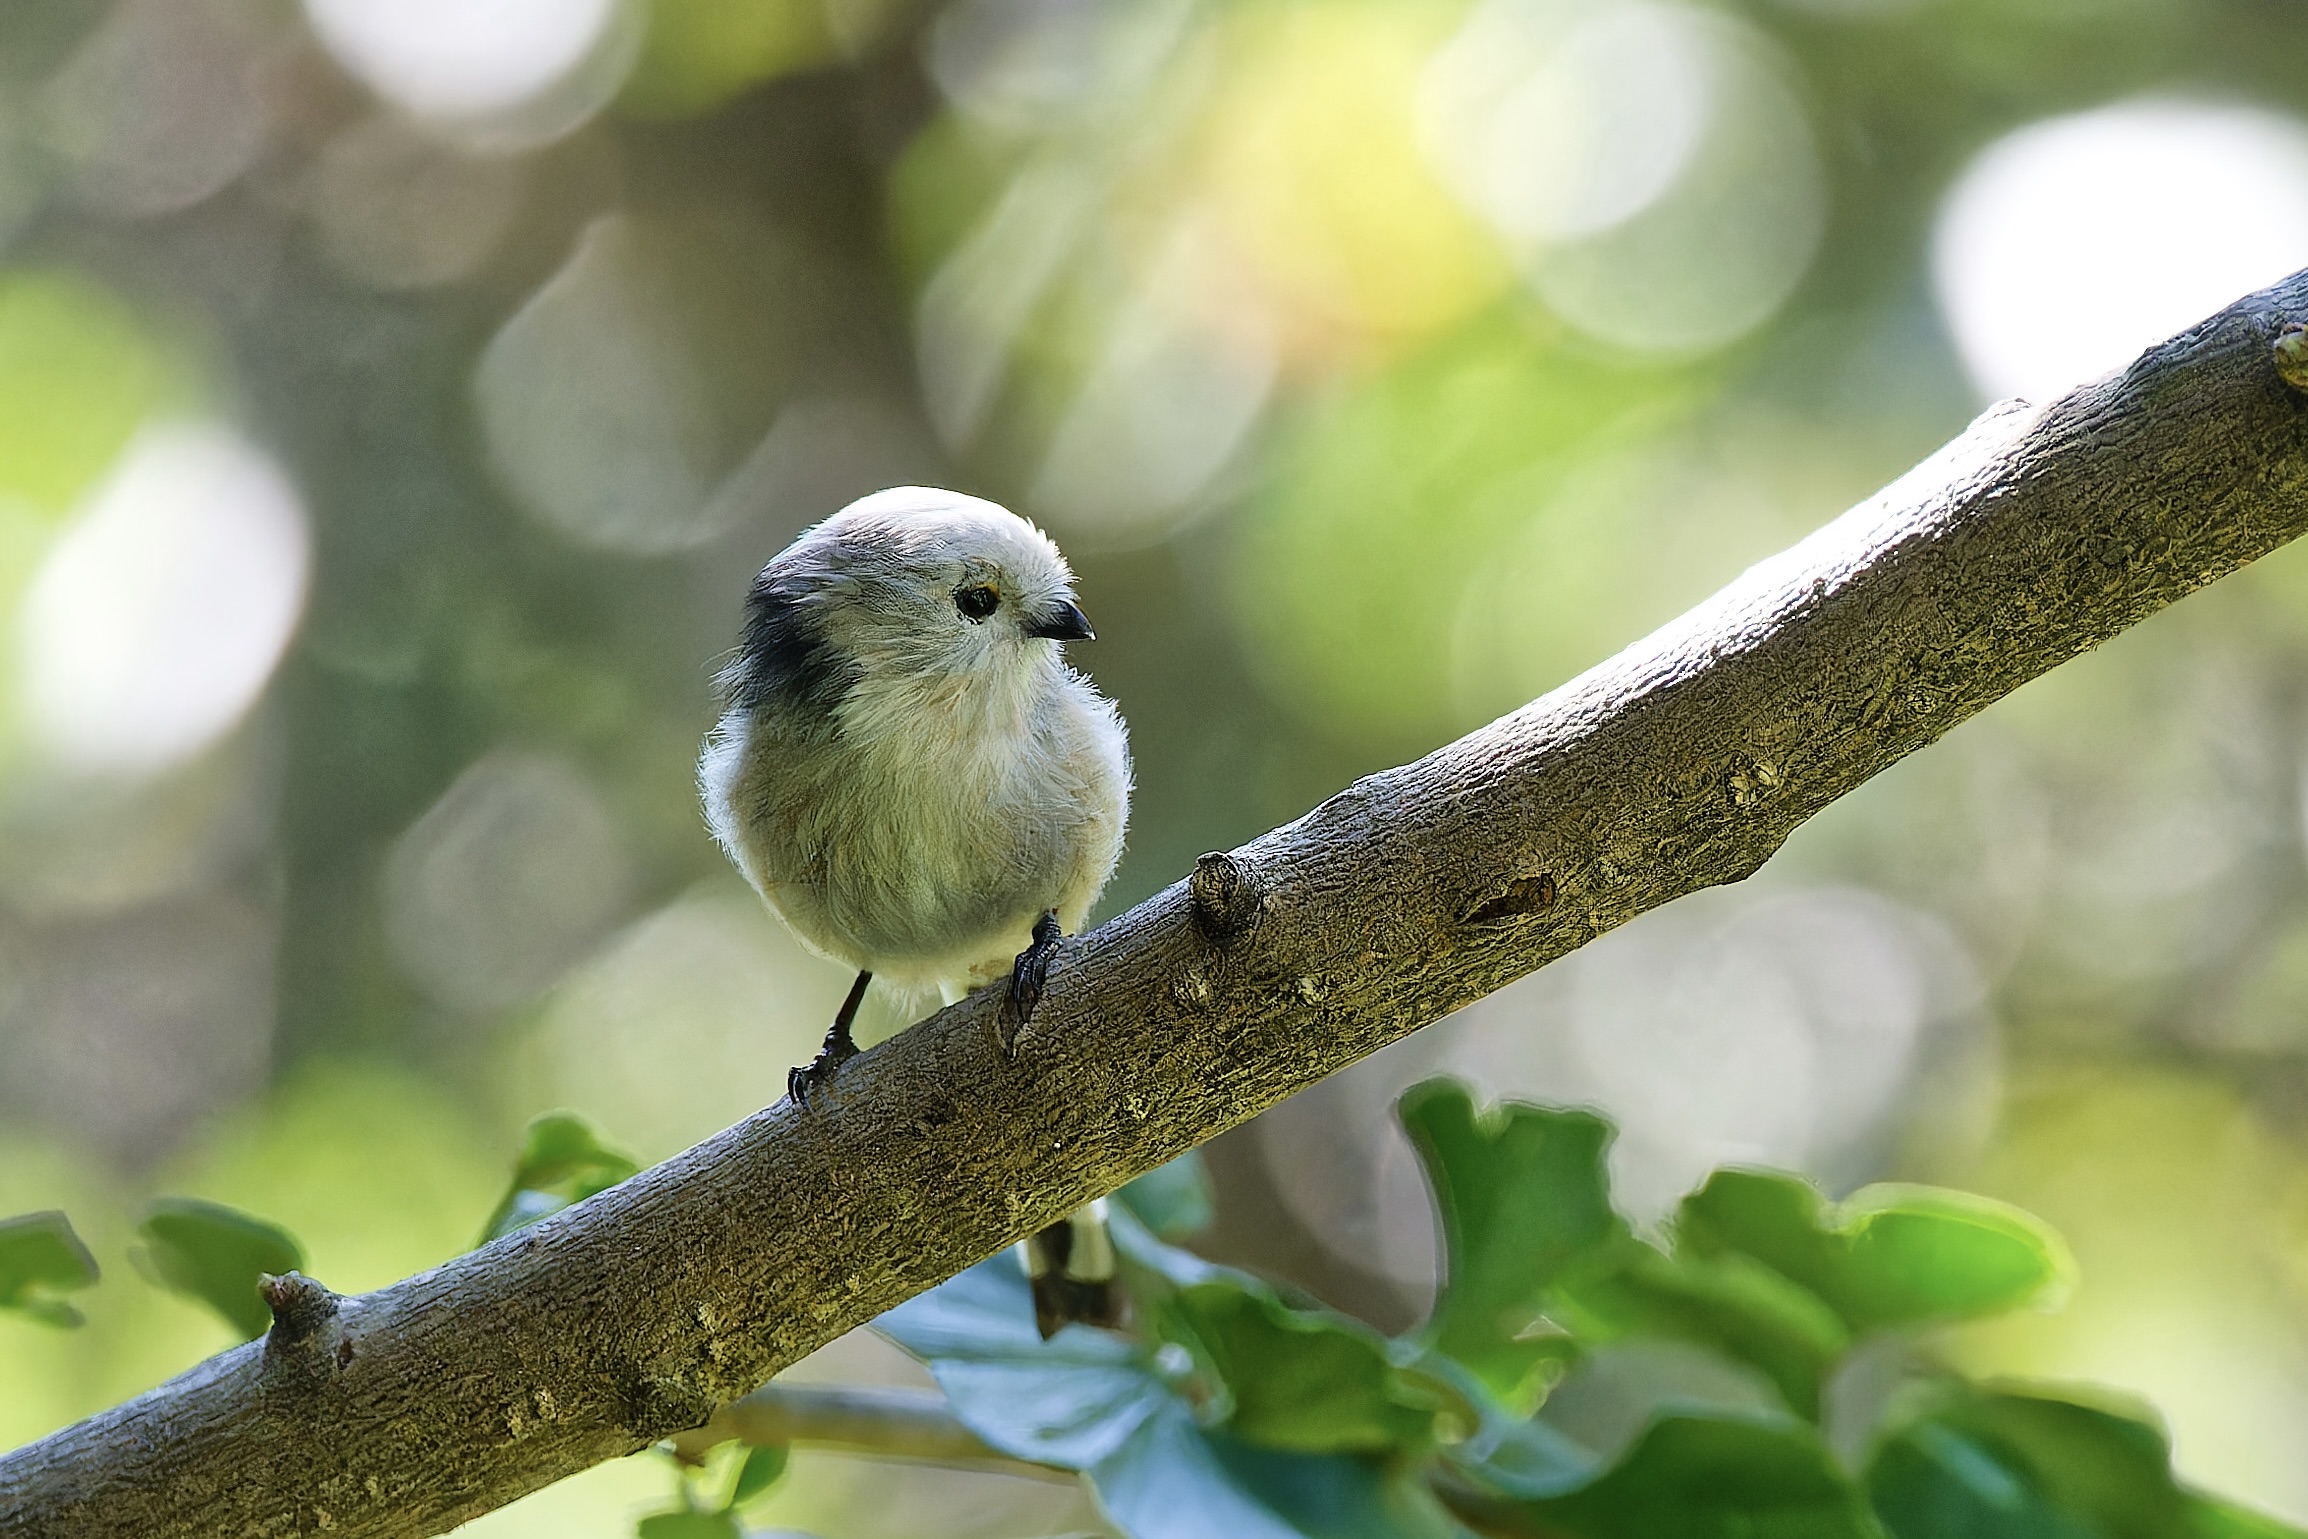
[395,400]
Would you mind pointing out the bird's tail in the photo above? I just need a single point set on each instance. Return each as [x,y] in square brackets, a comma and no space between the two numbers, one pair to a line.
[1071,1267]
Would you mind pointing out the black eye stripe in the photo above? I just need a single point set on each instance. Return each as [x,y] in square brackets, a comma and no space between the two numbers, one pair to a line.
[976,601]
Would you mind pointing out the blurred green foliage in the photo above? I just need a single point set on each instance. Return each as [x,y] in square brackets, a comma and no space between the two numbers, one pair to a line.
[1173,1200]
[713,1494]
[563,1161]
[760,1469]
[1393,494]
[690,1525]
[78,375]
[216,1255]
[40,1257]
[697,54]
[1996,1462]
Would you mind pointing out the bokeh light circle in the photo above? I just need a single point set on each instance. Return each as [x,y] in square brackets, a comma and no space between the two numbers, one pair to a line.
[631,404]
[165,104]
[165,604]
[1723,247]
[1649,163]
[595,408]
[1167,403]
[2068,246]
[1554,134]
[1783,1028]
[397,208]
[481,62]
[505,882]
[682,1022]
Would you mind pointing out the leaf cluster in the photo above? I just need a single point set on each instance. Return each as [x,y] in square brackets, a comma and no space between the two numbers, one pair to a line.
[1234,1406]
[219,1256]
[215,1255]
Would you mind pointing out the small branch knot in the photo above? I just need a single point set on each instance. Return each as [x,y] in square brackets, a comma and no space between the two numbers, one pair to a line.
[1225,897]
[1524,895]
[2292,355]
[299,1307]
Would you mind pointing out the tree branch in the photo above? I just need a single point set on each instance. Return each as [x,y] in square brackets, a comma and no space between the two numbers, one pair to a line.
[1680,763]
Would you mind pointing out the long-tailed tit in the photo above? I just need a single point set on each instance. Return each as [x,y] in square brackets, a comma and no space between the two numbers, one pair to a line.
[917,784]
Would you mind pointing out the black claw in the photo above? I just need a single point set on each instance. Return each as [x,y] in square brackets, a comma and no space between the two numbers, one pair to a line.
[801,1083]
[838,1049]
[1027,975]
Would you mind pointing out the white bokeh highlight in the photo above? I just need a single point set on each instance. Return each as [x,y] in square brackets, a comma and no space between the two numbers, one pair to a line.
[596,408]
[398,208]
[1022,65]
[1649,164]
[505,882]
[482,62]
[165,604]
[1780,1029]
[683,1023]
[1555,129]
[1166,405]
[164,105]
[2067,247]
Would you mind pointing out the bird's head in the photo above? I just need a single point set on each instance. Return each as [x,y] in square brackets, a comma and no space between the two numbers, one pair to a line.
[912,584]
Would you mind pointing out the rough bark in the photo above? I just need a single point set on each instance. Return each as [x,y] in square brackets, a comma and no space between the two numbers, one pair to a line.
[1680,763]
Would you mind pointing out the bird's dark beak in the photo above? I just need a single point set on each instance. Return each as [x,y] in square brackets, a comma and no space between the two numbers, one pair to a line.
[1064,623]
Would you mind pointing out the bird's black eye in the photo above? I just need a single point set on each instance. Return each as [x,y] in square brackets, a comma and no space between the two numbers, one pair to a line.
[976,601]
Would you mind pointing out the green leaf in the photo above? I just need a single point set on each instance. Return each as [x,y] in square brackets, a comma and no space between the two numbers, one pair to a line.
[1066,1414]
[39,1256]
[1704,1477]
[1151,1269]
[216,1254]
[1886,1256]
[762,1469]
[1165,1482]
[1308,1381]
[1172,1480]
[1069,1401]
[690,1525]
[1172,1200]
[1526,1459]
[1509,1453]
[1524,1200]
[1730,1302]
[1972,1463]
[1336,1497]
[563,1162]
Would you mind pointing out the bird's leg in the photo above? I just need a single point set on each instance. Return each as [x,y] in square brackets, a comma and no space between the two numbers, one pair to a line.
[1027,975]
[838,1048]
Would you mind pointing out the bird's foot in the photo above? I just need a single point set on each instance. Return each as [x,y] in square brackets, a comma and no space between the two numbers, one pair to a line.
[838,1048]
[803,1082]
[1027,975]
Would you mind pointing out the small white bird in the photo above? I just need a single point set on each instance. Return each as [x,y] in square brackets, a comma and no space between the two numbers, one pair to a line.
[910,775]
